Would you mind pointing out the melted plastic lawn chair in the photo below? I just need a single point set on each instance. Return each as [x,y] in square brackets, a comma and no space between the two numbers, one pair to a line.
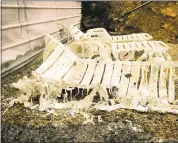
[141,51]
[98,33]
[143,86]
[101,49]
[91,50]
[83,49]
[73,33]
[127,51]
[101,32]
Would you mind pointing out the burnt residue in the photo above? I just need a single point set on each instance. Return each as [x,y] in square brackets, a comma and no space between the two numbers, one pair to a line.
[128,75]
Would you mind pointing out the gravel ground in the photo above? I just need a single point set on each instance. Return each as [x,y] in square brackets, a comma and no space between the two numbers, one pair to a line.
[23,125]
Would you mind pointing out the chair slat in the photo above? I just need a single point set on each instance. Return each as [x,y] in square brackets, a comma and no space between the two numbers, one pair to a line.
[171,86]
[98,72]
[50,44]
[89,74]
[56,66]
[129,37]
[148,36]
[121,46]
[76,73]
[126,69]
[139,46]
[108,73]
[116,74]
[61,65]
[61,72]
[163,93]
[152,44]
[125,38]
[118,38]
[50,60]
[133,45]
[161,45]
[158,43]
[134,36]
[127,46]
[135,72]
[153,81]
[145,44]
[144,79]
[142,36]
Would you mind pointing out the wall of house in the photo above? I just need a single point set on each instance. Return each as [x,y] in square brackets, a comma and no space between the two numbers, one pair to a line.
[24,24]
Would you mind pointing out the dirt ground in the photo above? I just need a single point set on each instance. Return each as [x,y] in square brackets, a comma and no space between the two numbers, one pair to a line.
[23,125]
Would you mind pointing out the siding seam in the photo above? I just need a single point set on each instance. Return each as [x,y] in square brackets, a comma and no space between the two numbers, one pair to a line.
[38,7]
[38,22]
[29,40]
